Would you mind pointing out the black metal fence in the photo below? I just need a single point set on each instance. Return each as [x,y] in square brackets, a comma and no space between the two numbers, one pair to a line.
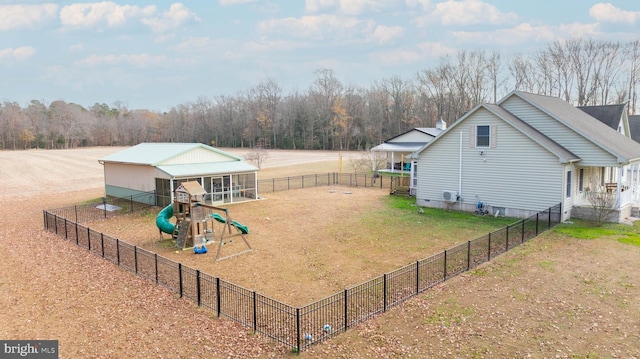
[105,207]
[324,179]
[300,327]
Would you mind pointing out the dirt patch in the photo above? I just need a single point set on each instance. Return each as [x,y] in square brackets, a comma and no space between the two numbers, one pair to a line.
[552,297]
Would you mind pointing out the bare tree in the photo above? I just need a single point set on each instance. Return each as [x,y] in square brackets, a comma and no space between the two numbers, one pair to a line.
[257,156]
[602,202]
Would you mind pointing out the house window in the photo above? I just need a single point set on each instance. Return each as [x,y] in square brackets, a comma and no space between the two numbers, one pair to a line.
[568,184]
[483,136]
[581,180]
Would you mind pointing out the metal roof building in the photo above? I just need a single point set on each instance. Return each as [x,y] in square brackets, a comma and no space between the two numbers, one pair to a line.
[160,167]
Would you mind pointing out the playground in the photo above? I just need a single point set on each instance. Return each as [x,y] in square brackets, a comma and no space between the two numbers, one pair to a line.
[342,236]
[554,296]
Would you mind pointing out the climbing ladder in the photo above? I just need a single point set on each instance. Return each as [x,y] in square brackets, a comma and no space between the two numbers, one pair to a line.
[183,232]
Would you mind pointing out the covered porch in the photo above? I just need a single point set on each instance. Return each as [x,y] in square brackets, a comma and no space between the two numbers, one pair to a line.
[619,186]
[394,157]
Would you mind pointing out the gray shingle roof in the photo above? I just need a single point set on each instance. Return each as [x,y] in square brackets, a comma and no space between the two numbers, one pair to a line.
[610,115]
[595,131]
[563,154]
[634,127]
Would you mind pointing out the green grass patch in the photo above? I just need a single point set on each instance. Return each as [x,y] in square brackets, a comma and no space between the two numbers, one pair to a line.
[547,265]
[588,230]
[633,239]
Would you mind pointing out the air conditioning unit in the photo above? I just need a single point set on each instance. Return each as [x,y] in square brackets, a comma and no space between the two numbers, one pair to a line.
[449,196]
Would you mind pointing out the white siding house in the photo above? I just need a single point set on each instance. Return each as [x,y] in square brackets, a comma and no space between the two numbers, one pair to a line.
[161,167]
[397,150]
[525,154]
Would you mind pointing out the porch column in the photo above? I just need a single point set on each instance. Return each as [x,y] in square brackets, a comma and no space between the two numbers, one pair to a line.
[393,162]
[619,186]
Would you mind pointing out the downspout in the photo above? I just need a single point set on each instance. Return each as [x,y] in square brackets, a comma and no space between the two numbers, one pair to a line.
[460,169]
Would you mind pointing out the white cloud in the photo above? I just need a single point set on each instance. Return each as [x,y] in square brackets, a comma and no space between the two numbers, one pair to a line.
[424,4]
[526,33]
[609,13]
[194,44]
[351,7]
[20,53]
[435,49]
[423,51]
[176,16]
[92,14]
[236,2]
[313,6]
[396,57]
[317,27]
[25,16]
[466,12]
[137,60]
[386,34]
[76,47]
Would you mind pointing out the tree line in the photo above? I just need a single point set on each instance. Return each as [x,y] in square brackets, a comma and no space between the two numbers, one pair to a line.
[331,115]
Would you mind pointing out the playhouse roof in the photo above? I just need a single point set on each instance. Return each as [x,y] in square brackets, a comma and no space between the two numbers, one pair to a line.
[192,187]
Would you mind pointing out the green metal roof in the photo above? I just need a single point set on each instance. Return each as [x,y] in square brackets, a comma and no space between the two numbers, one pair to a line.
[212,168]
[155,153]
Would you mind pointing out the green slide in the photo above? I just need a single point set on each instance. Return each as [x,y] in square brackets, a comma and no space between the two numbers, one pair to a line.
[242,228]
[162,220]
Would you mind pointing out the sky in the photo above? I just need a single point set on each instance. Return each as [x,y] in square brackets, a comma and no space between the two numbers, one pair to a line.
[159,54]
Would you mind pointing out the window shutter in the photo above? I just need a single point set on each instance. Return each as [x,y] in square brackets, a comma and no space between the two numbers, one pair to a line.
[472,136]
[494,136]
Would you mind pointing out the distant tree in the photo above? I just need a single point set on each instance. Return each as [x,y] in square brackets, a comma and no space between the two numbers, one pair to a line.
[257,156]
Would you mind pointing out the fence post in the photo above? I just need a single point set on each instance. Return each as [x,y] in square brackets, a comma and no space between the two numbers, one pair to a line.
[522,240]
[445,265]
[417,277]
[218,295]
[76,211]
[255,312]
[102,244]
[507,242]
[55,225]
[468,255]
[384,295]
[346,323]
[135,258]
[298,329]
[489,248]
[537,218]
[180,277]
[89,239]
[66,234]
[118,250]
[77,234]
[155,255]
[104,206]
[198,286]
[131,203]
[549,224]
